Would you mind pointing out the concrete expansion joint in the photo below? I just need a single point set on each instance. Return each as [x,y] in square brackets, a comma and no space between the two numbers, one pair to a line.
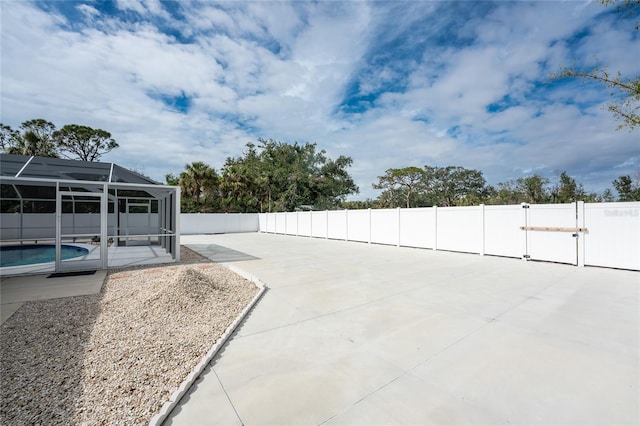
[228,397]
[364,398]
[184,387]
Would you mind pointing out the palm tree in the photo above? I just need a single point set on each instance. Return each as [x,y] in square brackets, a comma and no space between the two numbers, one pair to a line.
[36,139]
[198,180]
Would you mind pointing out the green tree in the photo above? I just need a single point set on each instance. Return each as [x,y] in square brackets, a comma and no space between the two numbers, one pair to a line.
[627,189]
[36,139]
[359,204]
[405,182]
[172,179]
[533,189]
[83,142]
[625,90]
[244,184]
[606,196]
[567,190]
[8,137]
[199,183]
[275,176]
[504,193]
[455,186]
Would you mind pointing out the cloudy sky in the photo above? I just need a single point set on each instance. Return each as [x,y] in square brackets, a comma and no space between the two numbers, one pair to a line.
[391,84]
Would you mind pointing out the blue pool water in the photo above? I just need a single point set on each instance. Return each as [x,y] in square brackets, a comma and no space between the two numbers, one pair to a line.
[41,253]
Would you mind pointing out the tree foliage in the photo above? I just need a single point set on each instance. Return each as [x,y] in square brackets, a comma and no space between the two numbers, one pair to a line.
[455,186]
[458,186]
[567,190]
[273,176]
[627,188]
[199,182]
[401,183]
[625,90]
[431,186]
[39,137]
[35,138]
[83,142]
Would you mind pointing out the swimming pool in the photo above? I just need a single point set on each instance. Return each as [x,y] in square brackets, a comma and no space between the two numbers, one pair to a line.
[40,253]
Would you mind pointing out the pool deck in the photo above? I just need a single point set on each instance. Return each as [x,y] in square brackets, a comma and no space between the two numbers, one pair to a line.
[15,291]
[20,284]
[352,333]
[118,257]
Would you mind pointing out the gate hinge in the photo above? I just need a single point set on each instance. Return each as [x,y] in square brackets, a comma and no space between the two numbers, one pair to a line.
[525,206]
[526,256]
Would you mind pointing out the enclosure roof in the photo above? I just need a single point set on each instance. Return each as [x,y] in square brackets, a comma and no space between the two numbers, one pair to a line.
[60,169]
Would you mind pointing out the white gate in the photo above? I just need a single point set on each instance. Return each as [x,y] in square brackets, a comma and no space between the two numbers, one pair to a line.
[552,232]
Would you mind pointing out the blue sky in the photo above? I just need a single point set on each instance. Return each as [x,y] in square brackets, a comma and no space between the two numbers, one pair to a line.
[391,84]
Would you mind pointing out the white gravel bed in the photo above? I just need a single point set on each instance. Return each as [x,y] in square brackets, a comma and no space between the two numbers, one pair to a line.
[115,357]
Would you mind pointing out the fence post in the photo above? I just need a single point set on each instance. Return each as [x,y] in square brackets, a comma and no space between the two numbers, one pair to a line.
[346,224]
[398,245]
[369,226]
[435,228]
[580,235]
[482,228]
[297,223]
[326,230]
[525,233]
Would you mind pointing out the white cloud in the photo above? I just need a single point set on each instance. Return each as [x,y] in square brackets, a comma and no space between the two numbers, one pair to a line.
[88,11]
[134,5]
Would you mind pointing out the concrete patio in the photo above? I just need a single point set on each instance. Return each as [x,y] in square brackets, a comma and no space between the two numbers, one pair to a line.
[352,333]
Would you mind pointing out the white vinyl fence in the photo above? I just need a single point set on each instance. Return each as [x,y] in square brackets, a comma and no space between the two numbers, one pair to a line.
[218,223]
[595,234]
[598,234]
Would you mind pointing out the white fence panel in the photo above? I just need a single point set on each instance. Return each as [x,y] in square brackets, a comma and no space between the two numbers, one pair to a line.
[502,233]
[552,246]
[130,224]
[292,223]
[281,223]
[10,228]
[384,226]
[87,223]
[417,227]
[319,224]
[358,225]
[613,235]
[233,223]
[249,222]
[219,223]
[304,224]
[187,224]
[202,223]
[337,224]
[460,229]
[36,225]
[262,222]
[271,222]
